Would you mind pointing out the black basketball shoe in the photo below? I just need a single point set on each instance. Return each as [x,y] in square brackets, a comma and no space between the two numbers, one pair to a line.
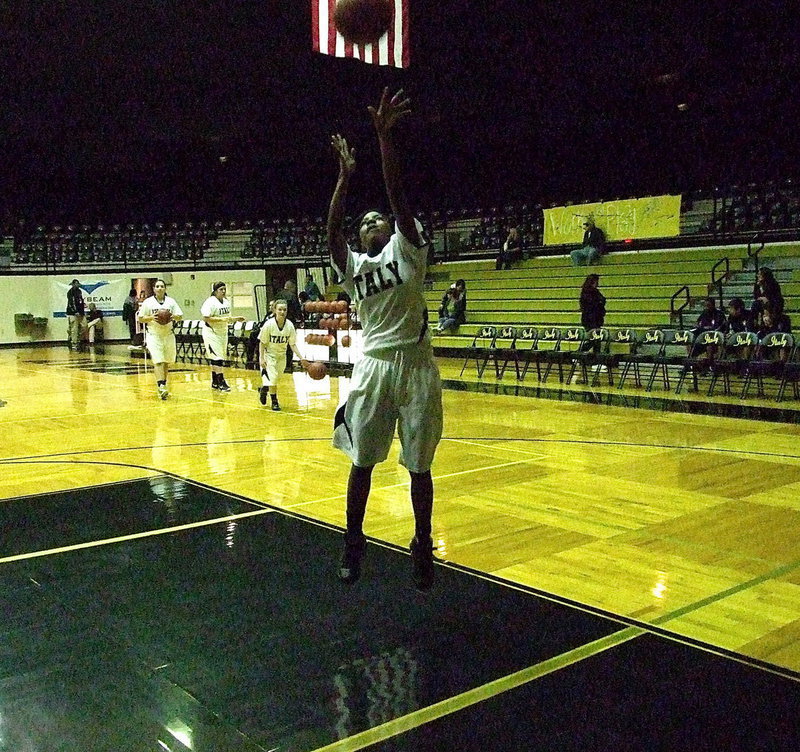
[422,563]
[352,554]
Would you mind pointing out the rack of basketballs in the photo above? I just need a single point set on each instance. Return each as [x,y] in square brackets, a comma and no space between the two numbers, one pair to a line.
[331,315]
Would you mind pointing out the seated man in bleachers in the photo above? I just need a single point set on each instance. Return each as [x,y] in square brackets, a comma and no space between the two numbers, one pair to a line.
[452,311]
[737,316]
[710,319]
[594,245]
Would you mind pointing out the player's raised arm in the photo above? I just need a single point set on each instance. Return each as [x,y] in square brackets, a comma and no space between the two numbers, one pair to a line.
[388,112]
[337,244]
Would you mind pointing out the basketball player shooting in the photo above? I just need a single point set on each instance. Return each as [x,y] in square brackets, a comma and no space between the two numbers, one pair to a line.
[396,383]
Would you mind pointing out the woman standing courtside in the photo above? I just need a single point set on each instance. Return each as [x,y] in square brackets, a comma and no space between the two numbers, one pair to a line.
[216,313]
[159,312]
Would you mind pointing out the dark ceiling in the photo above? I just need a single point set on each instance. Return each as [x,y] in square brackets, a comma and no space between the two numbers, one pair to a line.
[121,110]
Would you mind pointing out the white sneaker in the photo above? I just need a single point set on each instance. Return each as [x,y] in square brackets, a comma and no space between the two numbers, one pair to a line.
[162,392]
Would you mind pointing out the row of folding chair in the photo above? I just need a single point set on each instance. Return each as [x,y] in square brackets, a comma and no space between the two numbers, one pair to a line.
[645,356]
[564,349]
[189,340]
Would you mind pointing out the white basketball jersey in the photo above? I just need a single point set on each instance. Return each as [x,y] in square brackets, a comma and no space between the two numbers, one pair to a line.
[388,292]
[149,308]
[275,339]
[215,307]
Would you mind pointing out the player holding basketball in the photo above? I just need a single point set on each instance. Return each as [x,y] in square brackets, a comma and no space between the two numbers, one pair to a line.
[216,313]
[397,381]
[275,335]
[159,312]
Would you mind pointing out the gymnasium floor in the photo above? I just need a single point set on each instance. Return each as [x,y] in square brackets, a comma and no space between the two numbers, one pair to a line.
[617,574]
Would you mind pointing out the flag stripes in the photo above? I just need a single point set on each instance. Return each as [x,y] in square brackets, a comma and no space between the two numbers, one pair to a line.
[391,49]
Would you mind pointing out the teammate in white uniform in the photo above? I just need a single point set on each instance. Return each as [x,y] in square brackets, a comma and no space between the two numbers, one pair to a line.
[275,335]
[160,339]
[216,313]
[397,381]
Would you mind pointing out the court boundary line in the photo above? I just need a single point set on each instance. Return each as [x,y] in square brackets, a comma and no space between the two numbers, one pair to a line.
[22,497]
[578,442]
[131,536]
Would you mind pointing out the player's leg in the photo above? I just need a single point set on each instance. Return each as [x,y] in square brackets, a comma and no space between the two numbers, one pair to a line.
[358,487]
[160,373]
[363,430]
[270,373]
[211,346]
[420,429]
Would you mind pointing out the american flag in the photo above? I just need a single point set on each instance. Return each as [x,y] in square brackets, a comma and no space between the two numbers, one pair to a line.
[391,49]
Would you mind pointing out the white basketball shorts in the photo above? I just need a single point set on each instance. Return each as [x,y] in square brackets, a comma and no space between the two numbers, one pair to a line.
[161,349]
[216,345]
[275,366]
[400,387]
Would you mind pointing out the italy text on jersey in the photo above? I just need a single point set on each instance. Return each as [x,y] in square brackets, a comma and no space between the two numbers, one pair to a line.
[382,278]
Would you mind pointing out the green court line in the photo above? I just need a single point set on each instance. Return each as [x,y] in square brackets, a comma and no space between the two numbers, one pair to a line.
[479,694]
[771,575]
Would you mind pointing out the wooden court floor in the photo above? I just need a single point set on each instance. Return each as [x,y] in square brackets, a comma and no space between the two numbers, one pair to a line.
[685,523]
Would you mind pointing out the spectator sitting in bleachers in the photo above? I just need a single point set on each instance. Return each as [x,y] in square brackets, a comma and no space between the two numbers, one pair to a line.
[511,250]
[452,311]
[738,319]
[766,292]
[594,245]
[773,321]
[711,319]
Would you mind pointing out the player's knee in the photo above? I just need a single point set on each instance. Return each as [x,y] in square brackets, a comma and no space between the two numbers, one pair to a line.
[362,471]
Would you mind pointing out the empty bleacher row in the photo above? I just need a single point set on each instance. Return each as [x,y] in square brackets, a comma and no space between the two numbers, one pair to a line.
[457,233]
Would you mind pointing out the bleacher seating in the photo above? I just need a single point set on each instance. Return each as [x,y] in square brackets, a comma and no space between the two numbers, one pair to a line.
[540,296]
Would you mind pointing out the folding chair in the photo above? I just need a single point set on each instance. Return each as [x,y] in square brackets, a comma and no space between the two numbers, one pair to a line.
[482,344]
[508,352]
[771,355]
[676,346]
[572,341]
[194,340]
[739,349]
[236,342]
[642,351]
[706,348]
[528,341]
[593,354]
[791,372]
[547,351]
[179,328]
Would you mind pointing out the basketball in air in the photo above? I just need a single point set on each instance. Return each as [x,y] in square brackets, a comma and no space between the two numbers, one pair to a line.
[163,315]
[363,21]
[317,370]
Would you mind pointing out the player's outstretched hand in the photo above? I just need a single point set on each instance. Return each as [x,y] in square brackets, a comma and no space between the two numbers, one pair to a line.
[346,155]
[389,111]
[304,364]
